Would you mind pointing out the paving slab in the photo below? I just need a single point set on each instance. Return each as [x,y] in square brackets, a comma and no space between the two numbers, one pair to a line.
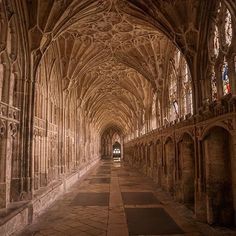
[91,199]
[139,198]
[111,200]
[150,221]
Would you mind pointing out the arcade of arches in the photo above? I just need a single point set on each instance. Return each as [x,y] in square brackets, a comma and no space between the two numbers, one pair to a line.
[157,77]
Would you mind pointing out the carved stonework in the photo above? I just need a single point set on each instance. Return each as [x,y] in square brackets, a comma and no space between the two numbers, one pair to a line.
[155,76]
[229,124]
[3,128]
[13,129]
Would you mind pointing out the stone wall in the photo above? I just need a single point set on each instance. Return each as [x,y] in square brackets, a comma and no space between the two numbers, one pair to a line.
[28,212]
[195,161]
[65,81]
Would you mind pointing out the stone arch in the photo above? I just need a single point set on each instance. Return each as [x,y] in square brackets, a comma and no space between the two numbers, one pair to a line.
[226,125]
[116,138]
[109,137]
[217,149]
[116,149]
[186,165]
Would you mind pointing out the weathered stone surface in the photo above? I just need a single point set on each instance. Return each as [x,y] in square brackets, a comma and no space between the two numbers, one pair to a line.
[149,82]
[17,219]
[80,212]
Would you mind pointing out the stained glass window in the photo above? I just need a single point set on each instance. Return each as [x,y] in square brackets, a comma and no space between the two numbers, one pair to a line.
[222,42]
[225,78]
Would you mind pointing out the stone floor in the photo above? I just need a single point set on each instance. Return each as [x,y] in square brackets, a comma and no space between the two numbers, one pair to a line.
[114,200]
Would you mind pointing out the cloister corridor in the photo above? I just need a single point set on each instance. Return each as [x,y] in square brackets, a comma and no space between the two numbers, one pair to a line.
[116,200]
[117,117]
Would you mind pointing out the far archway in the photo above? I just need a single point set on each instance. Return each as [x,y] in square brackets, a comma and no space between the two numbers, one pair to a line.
[116,150]
[111,144]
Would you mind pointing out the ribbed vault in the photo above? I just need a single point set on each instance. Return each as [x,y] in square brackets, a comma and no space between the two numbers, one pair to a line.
[111,56]
[157,76]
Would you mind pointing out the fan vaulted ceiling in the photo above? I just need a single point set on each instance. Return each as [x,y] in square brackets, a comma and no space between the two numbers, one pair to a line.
[113,53]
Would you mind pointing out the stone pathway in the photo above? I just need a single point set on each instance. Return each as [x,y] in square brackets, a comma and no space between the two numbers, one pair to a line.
[113,200]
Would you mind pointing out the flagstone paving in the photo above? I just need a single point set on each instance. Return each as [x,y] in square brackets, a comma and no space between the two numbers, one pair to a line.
[114,200]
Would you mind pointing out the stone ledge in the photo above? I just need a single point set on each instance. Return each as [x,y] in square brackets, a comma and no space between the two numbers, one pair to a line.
[25,214]
[17,222]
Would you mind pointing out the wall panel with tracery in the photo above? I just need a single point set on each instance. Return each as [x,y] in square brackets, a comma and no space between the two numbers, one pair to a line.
[221,54]
[179,88]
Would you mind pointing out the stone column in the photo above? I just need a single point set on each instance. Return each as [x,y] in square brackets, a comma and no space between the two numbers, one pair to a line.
[4,194]
[151,157]
[200,188]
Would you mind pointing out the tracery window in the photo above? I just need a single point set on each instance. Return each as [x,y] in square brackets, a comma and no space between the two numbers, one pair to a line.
[216,42]
[174,111]
[220,43]
[186,89]
[154,113]
[228,28]
[176,107]
[180,88]
[143,131]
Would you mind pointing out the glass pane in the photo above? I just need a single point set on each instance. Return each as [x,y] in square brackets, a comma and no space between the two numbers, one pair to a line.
[225,78]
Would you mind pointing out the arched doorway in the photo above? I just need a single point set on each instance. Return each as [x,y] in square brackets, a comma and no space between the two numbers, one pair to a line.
[116,150]
[219,194]
[111,138]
